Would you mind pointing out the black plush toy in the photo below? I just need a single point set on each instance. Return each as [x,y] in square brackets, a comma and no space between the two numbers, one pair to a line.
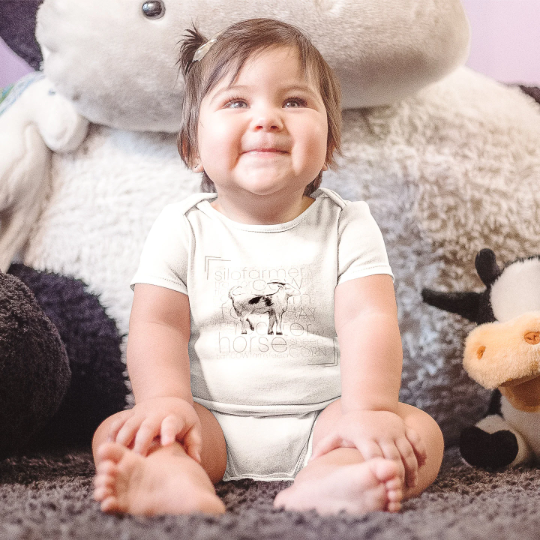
[34,367]
[502,353]
[61,372]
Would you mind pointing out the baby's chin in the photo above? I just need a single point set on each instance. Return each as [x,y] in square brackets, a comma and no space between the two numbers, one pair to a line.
[266,182]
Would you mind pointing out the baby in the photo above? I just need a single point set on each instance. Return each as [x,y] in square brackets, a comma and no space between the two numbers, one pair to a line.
[264,340]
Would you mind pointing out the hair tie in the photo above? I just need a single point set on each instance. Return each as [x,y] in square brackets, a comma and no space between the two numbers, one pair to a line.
[200,53]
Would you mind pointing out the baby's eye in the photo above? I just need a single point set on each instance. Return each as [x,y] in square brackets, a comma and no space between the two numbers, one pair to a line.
[236,103]
[295,102]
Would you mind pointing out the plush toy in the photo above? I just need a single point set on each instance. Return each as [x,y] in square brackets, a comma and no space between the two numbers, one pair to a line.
[28,340]
[446,167]
[119,173]
[502,354]
[35,120]
[60,361]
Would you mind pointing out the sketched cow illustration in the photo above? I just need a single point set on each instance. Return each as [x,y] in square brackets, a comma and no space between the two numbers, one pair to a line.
[275,304]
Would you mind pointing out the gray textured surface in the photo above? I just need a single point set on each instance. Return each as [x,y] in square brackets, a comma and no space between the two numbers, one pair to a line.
[49,496]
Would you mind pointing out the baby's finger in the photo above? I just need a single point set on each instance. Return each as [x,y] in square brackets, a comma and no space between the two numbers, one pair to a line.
[146,433]
[170,428]
[409,460]
[325,445]
[128,431]
[418,445]
[369,449]
[390,451]
[193,443]
[117,424]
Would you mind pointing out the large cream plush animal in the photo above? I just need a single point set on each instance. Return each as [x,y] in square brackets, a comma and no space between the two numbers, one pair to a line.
[446,158]
[93,142]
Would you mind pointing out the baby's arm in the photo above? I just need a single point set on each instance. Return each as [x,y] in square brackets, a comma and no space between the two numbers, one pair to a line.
[371,362]
[158,366]
[370,344]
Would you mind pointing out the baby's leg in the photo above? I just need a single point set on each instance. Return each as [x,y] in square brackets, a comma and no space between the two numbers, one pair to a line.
[167,481]
[343,480]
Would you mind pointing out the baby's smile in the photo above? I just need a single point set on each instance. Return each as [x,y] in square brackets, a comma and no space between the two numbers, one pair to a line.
[265,152]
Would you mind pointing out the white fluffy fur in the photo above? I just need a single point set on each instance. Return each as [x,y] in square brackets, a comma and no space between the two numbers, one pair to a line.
[516,291]
[39,121]
[528,426]
[119,70]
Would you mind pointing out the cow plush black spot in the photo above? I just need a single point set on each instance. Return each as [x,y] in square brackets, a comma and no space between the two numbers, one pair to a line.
[503,354]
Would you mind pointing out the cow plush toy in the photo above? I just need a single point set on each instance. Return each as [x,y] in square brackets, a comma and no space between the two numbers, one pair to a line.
[503,354]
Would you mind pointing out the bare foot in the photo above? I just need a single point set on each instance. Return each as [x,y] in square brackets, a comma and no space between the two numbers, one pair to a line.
[356,489]
[164,482]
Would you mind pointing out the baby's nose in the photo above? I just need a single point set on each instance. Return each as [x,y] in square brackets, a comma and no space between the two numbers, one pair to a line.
[268,119]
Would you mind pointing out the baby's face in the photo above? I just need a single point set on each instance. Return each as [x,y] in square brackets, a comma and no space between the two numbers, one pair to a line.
[266,132]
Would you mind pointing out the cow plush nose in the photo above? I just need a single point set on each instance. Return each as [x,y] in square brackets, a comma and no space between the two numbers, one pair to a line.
[532,338]
[498,352]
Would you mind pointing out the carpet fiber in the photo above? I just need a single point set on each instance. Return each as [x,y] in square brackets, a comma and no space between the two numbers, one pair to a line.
[48,495]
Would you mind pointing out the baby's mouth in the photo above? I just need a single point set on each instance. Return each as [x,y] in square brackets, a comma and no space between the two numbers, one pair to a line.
[266,151]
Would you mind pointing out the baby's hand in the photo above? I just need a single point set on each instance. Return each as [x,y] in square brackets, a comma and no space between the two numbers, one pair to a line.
[172,419]
[377,434]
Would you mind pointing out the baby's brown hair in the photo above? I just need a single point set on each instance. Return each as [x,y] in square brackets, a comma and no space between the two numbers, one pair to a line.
[226,55]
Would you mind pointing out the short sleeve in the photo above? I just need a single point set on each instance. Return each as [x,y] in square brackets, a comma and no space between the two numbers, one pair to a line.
[361,249]
[165,256]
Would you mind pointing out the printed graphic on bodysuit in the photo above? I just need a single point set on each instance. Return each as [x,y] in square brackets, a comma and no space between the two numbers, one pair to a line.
[268,313]
[273,304]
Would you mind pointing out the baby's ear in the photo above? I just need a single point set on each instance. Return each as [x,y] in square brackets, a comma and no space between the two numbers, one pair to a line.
[184,151]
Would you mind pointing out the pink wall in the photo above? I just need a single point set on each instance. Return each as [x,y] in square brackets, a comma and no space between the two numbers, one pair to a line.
[505,42]
[11,66]
[505,39]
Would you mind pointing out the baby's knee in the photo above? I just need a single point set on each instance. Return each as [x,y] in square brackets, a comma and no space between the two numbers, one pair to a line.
[426,427]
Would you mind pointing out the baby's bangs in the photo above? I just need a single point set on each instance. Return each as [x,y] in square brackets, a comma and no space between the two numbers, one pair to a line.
[228,56]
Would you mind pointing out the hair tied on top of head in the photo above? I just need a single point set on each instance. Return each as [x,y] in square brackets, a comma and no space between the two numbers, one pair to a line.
[200,53]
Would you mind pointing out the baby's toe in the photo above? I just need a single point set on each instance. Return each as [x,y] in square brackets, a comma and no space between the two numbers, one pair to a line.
[394,494]
[393,507]
[104,481]
[111,452]
[394,484]
[106,469]
[282,497]
[102,493]
[385,470]
[110,505]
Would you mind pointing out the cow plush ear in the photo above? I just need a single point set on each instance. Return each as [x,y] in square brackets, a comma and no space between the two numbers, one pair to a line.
[487,267]
[466,304]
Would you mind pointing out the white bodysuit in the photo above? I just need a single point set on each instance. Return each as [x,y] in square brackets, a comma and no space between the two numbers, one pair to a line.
[263,349]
